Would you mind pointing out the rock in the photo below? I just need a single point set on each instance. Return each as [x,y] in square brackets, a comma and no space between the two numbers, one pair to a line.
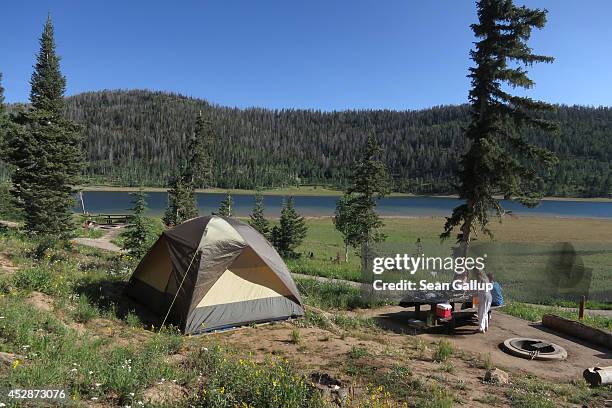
[8,359]
[341,395]
[496,376]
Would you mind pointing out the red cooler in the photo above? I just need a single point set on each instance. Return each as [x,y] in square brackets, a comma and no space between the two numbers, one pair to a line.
[443,310]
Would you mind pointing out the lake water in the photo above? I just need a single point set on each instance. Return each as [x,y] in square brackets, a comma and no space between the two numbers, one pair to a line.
[119,202]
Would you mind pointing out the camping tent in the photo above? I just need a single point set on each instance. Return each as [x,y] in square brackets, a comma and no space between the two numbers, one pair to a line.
[214,272]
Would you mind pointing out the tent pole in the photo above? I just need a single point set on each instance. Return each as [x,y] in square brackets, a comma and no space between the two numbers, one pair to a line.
[179,288]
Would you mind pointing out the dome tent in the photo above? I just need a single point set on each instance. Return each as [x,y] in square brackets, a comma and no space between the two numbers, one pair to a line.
[214,272]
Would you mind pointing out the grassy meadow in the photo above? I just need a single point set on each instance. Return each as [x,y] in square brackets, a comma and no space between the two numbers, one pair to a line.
[536,259]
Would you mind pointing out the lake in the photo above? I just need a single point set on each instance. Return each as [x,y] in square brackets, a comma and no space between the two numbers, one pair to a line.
[119,202]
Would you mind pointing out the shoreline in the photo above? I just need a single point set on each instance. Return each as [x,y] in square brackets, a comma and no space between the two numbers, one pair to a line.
[309,191]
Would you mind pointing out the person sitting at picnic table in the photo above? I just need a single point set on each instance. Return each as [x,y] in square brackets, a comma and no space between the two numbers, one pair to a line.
[496,293]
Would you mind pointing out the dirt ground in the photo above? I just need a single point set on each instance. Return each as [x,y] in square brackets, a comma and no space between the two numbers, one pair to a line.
[580,354]
[104,242]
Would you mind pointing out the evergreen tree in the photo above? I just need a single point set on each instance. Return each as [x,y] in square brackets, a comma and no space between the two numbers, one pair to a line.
[291,231]
[225,209]
[345,222]
[200,146]
[500,160]
[44,149]
[4,122]
[138,233]
[275,237]
[356,218]
[182,204]
[2,112]
[195,172]
[257,219]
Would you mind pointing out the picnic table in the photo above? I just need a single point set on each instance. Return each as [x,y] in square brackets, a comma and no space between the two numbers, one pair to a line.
[465,312]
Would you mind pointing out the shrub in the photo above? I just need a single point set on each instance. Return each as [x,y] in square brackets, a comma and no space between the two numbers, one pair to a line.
[84,311]
[358,352]
[444,350]
[132,320]
[35,278]
[296,337]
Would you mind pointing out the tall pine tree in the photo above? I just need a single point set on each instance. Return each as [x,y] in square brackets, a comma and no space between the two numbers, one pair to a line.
[257,218]
[356,218]
[137,235]
[44,149]
[182,204]
[199,166]
[225,209]
[2,112]
[500,160]
[346,223]
[291,231]
[4,122]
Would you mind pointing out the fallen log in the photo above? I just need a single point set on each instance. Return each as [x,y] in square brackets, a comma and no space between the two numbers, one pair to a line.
[577,329]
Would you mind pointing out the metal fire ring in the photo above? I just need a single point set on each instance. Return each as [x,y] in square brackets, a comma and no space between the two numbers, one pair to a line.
[534,349]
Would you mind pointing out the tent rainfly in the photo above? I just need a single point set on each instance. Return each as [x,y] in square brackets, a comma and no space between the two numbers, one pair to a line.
[214,272]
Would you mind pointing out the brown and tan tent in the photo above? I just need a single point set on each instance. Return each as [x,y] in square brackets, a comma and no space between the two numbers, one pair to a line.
[214,272]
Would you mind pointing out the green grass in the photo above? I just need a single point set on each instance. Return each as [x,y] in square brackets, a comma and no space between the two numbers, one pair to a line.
[235,381]
[531,392]
[444,349]
[332,295]
[527,255]
[58,355]
[534,313]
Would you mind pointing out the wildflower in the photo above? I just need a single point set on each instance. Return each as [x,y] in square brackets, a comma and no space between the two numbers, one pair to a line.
[131,394]
[91,372]
[94,398]
[98,384]
[16,363]
[74,370]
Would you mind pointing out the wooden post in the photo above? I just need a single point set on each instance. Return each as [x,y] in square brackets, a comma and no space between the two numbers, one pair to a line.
[581,308]
[82,202]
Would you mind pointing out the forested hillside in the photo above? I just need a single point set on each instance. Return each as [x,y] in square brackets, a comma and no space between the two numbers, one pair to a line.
[137,137]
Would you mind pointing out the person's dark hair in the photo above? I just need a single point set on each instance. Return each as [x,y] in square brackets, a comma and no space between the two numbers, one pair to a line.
[490,276]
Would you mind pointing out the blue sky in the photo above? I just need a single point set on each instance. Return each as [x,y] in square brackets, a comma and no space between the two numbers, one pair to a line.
[320,54]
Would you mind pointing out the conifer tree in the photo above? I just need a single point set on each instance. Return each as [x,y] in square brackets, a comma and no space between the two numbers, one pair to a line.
[257,219]
[275,237]
[44,149]
[346,222]
[356,218]
[225,209]
[291,231]
[182,204]
[138,233]
[4,122]
[1,98]
[199,169]
[500,160]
